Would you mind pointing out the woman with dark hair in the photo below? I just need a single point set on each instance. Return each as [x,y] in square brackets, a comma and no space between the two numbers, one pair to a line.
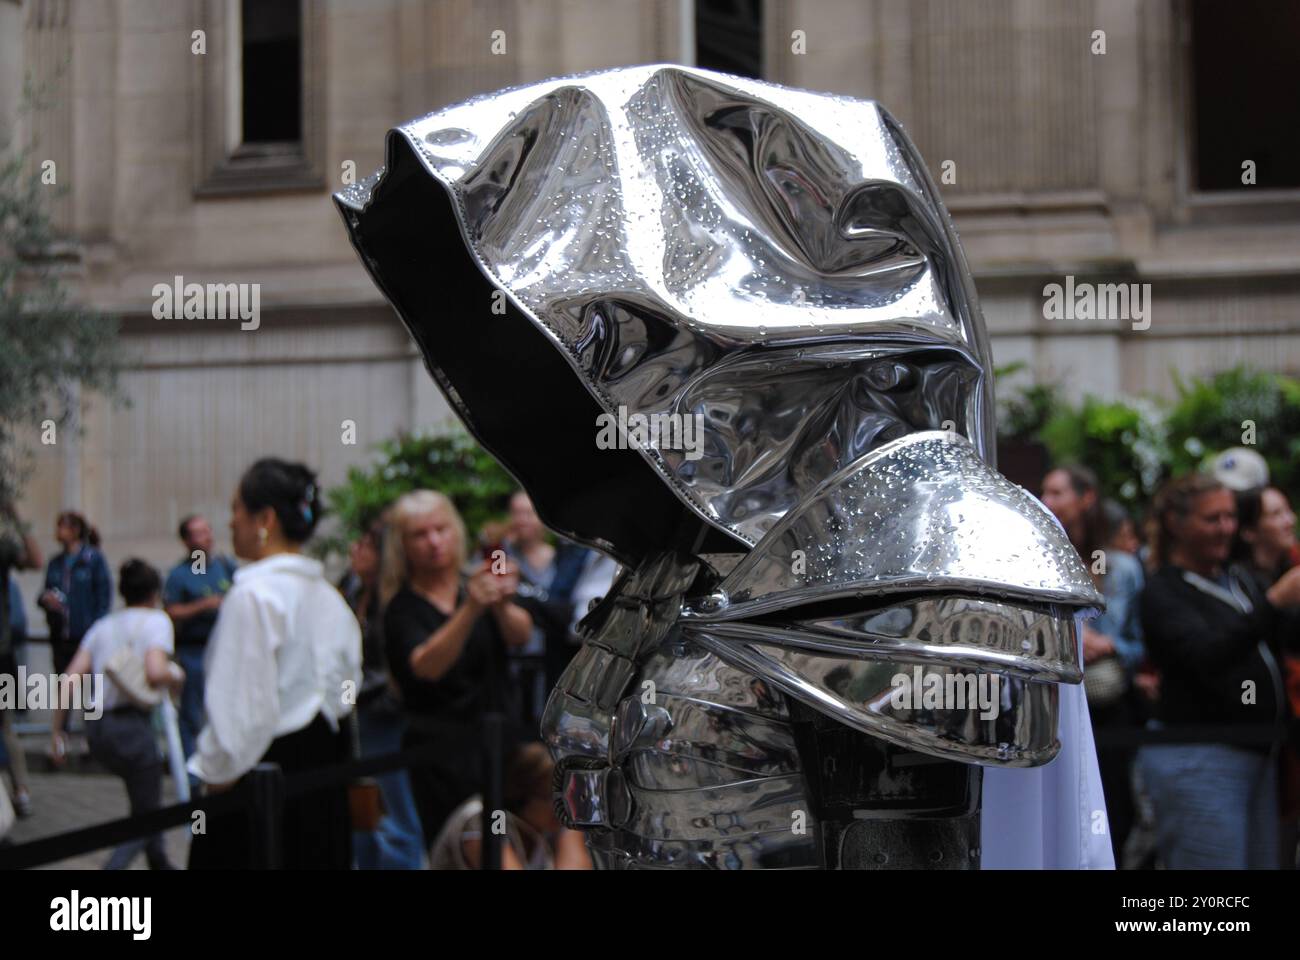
[118,728]
[1112,641]
[1122,532]
[78,591]
[284,668]
[1266,548]
[547,575]
[1215,636]
[1265,545]
[78,586]
[396,843]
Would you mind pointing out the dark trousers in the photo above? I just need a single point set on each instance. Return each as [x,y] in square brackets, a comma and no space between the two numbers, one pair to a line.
[190,714]
[13,746]
[316,829]
[452,777]
[456,772]
[62,651]
[1115,764]
[123,741]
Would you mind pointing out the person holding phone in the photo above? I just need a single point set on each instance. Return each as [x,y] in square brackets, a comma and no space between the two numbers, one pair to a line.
[78,587]
[446,632]
[78,591]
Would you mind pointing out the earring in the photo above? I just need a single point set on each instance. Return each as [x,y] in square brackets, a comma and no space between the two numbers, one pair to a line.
[261,536]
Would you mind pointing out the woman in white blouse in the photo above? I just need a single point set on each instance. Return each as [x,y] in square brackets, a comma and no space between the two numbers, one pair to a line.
[283,667]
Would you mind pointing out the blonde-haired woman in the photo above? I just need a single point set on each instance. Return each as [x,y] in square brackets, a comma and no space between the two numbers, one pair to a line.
[446,632]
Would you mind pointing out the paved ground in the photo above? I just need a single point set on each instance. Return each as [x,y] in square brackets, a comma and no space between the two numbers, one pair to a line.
[80,795]
[67,800]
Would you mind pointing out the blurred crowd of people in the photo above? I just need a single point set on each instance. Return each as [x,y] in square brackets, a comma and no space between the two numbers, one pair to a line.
[1200,644]
[427,634]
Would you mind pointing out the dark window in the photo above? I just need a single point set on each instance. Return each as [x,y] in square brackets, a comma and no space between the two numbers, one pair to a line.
[1246,93]
[272,47]
[729,36]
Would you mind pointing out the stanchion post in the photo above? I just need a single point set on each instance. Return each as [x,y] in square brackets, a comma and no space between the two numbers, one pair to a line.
[493,788]
[266,814]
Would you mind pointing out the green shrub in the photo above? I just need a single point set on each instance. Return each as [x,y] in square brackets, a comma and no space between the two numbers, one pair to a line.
[1212,414]
[452,464]
[1023,411]
[1132,444]
[1122,441]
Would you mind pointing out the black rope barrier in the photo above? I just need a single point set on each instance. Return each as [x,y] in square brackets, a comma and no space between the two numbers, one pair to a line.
[265,789]
[61,846]
[251,794]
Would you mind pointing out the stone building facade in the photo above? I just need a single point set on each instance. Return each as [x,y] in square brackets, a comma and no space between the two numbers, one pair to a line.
[1068,137]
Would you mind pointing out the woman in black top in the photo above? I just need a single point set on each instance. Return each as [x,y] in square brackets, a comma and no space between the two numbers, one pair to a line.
[446,636]
[1266,548]
[1266,542]
[1215,636]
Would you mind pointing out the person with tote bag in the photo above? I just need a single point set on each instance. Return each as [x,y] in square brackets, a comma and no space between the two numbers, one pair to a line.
[131,648]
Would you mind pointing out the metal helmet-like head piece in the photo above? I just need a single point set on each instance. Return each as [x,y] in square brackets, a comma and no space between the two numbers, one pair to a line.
[757,285]
[698,315]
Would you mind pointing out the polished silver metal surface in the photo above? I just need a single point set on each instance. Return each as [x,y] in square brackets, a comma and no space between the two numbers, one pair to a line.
[922,513]
[772,264]
[976,715]
[1027,642]
[669,754]
[760,290]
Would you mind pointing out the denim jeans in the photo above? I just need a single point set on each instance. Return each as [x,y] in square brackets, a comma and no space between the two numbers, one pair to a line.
[124,743]
[1215,806]
[398,844]
[190,713]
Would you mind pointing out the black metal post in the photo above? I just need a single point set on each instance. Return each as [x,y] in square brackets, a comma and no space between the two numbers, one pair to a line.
[266,815]
[493,787]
